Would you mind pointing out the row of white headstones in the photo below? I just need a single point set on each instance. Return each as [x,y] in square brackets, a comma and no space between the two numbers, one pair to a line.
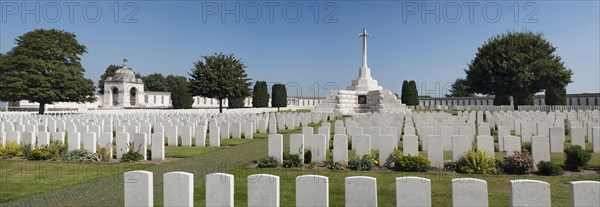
[438,132]
[313,190]
[145,129]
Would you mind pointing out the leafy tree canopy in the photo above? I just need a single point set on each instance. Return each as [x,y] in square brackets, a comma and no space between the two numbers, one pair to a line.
[460,89]
[220,76]
[45,67]
[155,82]
[517,64]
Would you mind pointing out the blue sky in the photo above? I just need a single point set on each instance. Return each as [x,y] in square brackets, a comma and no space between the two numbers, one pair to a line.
[319,49]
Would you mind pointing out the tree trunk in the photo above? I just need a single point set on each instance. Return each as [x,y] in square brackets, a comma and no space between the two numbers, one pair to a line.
[42,108]
[515,99]
[220,105]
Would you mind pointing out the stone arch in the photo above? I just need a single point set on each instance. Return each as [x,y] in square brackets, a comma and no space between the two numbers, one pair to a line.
[115,95]
[133,92]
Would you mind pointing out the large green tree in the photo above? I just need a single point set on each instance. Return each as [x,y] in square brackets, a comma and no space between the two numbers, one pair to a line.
[155,82]
[181,97]
[235,102]
[517,64]
[260,94]
[110,72]
[405,92]
[44,67]
[460,89]
[279,96]
[220,76]
[555,96]
[410,95]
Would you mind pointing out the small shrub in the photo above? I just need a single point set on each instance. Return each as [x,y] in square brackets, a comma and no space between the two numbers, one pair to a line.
[416,163]
[526,146]
[12,149]
[477,162]
[1,153]
[40,154]
[81,155]
[269,162]
[105,154]
[576,157]
[361,163]
[451,166]
[336,166]
[57,149]
[549,168]
[132,156]
[500,165]
[26,150]
[291,160]
[518,163]
[308,157]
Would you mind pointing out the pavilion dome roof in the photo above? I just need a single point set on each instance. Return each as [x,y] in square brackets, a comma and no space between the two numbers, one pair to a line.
[125,74]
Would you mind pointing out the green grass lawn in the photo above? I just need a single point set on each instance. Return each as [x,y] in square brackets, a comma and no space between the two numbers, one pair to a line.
[21,178]
[185,152]
[235,157]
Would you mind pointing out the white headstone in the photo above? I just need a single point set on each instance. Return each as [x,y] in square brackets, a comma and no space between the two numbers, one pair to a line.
[460,145]
[308,133]
[200,136]
[185,133]
[319,148]
[214,136]
[413,191]
[312,190]
[263,190]
[502,132]
[447,133]
[225,132]
[172,134]
[529,193]
[178,189]
[435,153]
[28,138]
[74,141]
[140,144]
[540,149]
[276,147]
[236,130]
[340,148]
[158,147]
[469,192]
[511,144]
[585,193]
[43,139]
[483,130]
[219,189]
[360,191]
[596,139]
[386,149]
[60,136]
[138,187]
[557,139]
[122,141]
[410,145]
[297,144]
[577,137]
[89,141]
[325,131]
[486,143]
[249,130]
[363,144]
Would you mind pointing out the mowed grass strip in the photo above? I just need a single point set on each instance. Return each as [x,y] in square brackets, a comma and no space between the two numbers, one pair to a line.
[20,178]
